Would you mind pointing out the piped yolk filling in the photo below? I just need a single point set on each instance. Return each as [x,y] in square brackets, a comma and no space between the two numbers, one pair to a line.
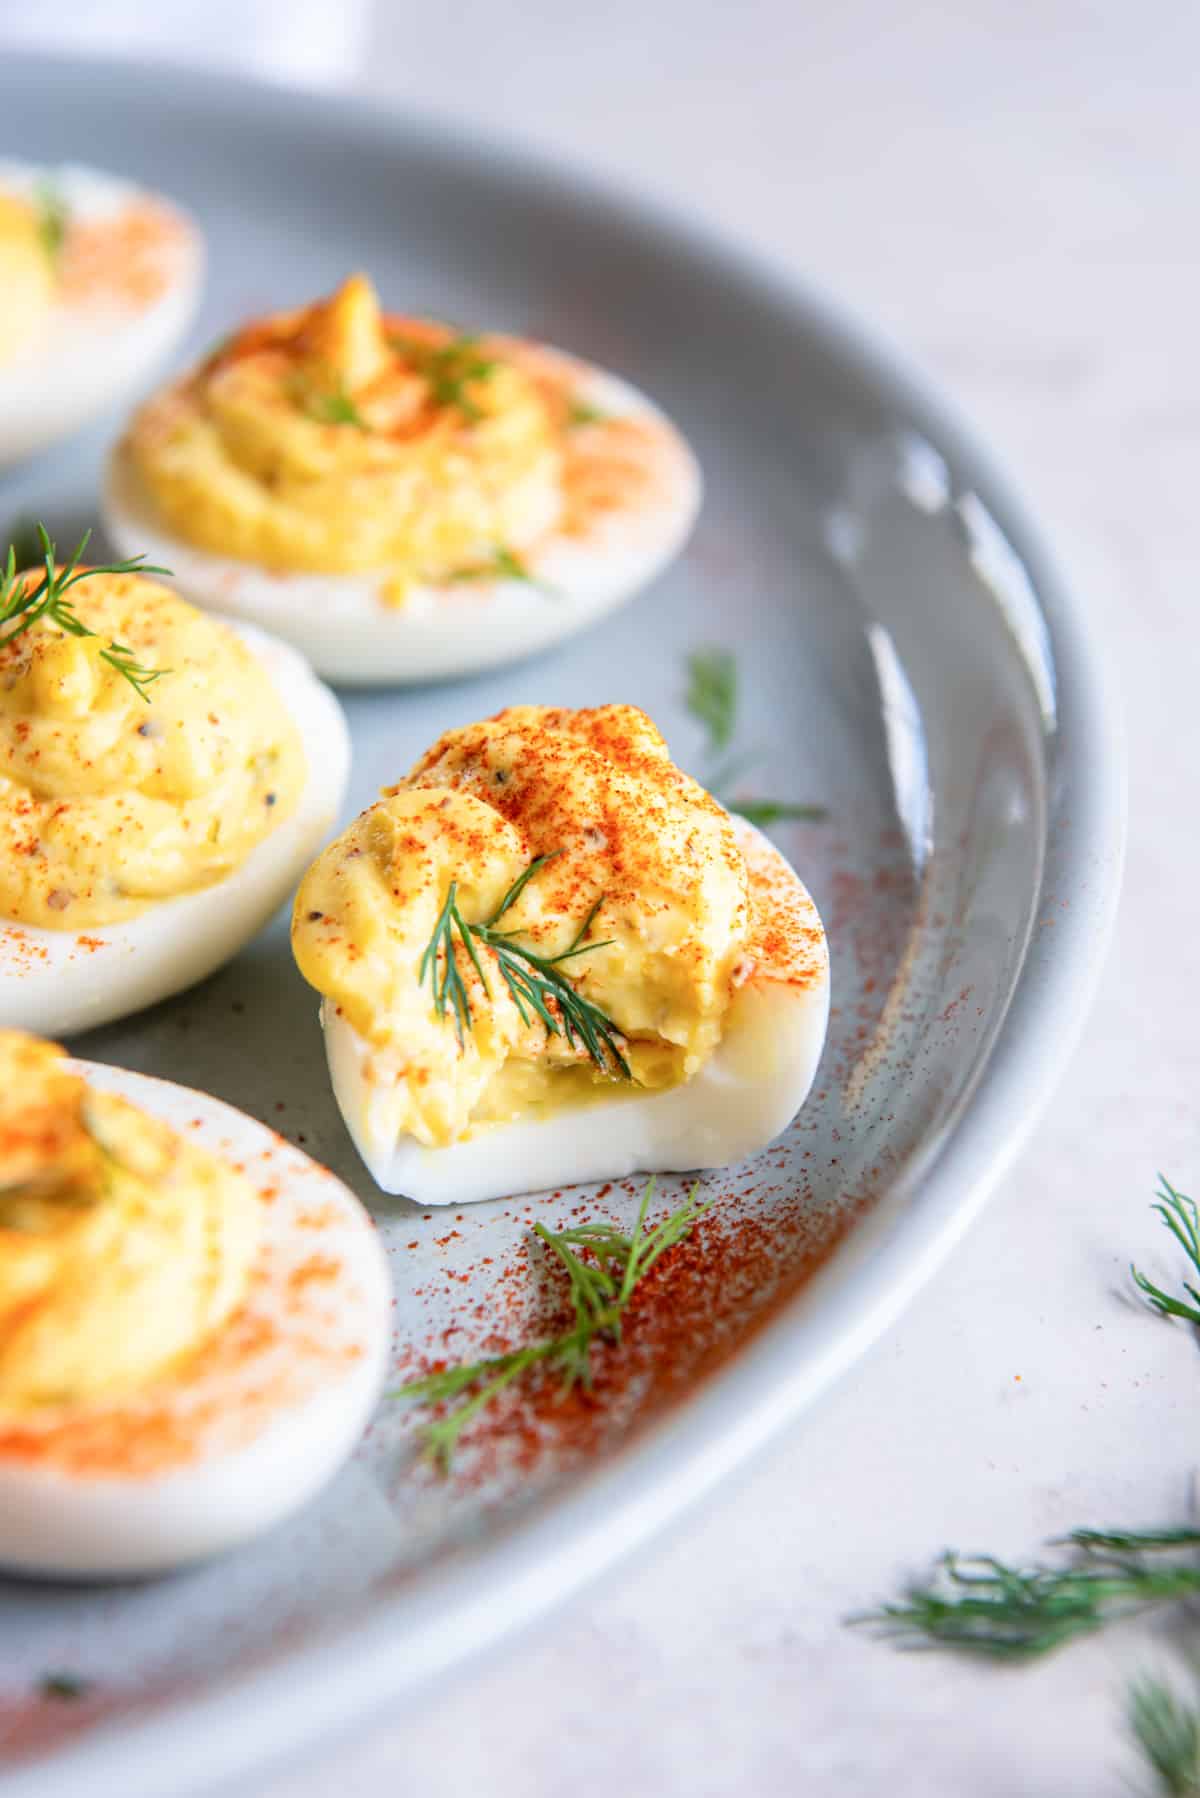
[638,852]
[122,1247]
[110,801]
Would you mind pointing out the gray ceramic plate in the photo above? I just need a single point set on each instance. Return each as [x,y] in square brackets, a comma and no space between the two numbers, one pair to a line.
[910,661]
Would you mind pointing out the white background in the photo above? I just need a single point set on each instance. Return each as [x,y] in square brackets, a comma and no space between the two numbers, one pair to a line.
[1010,188]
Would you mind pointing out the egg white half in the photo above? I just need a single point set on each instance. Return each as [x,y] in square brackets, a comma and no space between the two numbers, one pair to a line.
[351,634]
[59,982]
[253,1424]
[741,1098]
[94,355]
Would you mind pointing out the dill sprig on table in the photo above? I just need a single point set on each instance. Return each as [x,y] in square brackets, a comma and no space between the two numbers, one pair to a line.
[985,1607]
[24,602]
[982,1606]
[1166,1729]
[1178,1213]
[712,699]
[600,1289]
[537,986]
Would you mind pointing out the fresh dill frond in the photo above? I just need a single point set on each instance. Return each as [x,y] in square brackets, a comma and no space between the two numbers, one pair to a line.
[25,600]
[123,659]
[712,699]
[24,542]
[534,981]
[1179,1214]
[600,1288]
[983,1606]
[64,1686]
[1166,1729]
[53,216]
[1130,1541]
[450,370]
[712,694]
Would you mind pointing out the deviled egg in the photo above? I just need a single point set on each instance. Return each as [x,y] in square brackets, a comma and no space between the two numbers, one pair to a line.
[98,281]
[187,1352]
[164,780]
[400,500]
[547,956]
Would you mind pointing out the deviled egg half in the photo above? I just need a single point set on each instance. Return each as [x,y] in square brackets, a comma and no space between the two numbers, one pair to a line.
[187,1352]
[99,279]
[164,780]
[548,956]
[401,500]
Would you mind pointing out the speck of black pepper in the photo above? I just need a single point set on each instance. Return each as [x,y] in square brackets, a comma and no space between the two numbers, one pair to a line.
[271,798]
[314,917]
[501,776]
[143,730]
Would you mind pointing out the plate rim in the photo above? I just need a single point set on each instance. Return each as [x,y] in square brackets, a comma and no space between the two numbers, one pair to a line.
[244,1722]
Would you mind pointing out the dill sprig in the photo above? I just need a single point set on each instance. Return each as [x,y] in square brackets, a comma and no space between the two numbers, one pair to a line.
[1178,1213]
[537,986]
[24,602]
[450,370]
[53,216]
[985,1607]
[600,1289]
[1166,1729]
[23,540]
[712,699]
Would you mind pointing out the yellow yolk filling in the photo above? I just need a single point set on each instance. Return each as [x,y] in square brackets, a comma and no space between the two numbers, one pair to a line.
[336,440]
[632,833]
[122,1247]
[27,280]
[107,803]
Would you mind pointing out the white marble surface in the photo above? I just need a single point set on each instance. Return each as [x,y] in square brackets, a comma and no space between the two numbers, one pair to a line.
[1010,190]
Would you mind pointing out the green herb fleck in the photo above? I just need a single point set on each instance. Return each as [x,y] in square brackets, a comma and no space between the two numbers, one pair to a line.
[765,812]
[712,699]
[712,694]
[450,369]
[64,1686]
[503,564]
[334,407]
[53,219]
[580,412]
